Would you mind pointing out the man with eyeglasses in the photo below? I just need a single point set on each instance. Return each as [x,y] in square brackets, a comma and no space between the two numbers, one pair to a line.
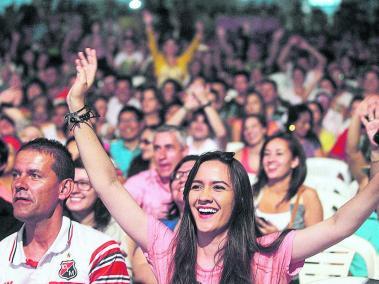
[50,248]
[125,148]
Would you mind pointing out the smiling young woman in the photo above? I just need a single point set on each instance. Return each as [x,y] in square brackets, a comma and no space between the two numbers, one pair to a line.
[217,241]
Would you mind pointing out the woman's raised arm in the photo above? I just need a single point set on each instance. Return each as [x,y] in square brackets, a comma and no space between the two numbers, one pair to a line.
[350,216]
[99,167]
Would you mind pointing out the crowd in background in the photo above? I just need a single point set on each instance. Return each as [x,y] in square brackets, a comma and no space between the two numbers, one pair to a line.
[223,87]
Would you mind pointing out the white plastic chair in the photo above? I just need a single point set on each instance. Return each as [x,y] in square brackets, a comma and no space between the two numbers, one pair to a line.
[331,202]
[366,250]
[331,263]
[328,167]
[322,183]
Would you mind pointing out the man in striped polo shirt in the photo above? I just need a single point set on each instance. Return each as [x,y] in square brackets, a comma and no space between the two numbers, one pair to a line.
[50,248]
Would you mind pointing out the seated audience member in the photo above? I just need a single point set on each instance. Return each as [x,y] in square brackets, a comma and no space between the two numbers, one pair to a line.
[151,188]
[9,224]
[84,207]
[254,104]
[204,120]
[170,91]
[125,148]
[254,129]
[282,200]
[218,221]
[144,161]
[326,138]
[50,247]
[29,133]
[177,181]
[300,124]
[152,106]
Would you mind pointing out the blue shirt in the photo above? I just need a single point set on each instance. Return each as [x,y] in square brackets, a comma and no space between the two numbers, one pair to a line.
[122,156]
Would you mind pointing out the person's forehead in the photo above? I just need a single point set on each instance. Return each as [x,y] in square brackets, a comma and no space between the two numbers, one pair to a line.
[164,138]
[34,158]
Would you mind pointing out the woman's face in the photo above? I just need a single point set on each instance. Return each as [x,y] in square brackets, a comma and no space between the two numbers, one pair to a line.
[327,85]
[316,113]
[253,131]
[146,144]
[101,107]
[371,83]
[177,185]
[303,124]
[211,198]
[298,77]
[83,197]
[150,104]
[253,104]
[278,160]
[198,128]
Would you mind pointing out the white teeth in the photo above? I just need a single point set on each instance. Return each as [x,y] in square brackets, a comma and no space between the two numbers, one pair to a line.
[207,210]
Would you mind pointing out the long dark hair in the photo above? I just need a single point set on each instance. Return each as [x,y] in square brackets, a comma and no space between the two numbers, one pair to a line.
[241,244]
[298,173]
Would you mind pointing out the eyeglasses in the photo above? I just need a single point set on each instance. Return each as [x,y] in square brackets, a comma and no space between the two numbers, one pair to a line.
[145,141]
[83,185]
[178,175]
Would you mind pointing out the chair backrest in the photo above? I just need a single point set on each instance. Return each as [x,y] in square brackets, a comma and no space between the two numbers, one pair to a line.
[333,262]
[329,167]
[367,251]
[322,183]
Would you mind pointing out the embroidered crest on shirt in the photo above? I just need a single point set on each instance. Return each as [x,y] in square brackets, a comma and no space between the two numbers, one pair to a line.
[68,270]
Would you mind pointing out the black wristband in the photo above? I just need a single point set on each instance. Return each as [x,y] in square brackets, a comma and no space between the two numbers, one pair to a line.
[209,103]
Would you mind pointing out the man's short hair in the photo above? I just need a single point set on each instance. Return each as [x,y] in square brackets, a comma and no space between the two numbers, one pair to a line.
[136,111]
[178,131]
[63,165]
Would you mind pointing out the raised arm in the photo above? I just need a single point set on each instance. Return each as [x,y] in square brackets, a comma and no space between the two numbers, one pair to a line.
[99,167]
[350,216]
[152,42]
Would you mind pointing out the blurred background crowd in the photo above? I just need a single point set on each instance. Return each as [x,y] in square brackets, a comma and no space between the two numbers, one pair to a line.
[230,73]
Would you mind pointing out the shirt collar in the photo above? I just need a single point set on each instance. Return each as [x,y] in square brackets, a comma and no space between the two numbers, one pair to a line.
[61,243]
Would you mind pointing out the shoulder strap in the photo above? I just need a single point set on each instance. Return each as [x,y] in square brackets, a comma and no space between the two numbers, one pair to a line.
[295,207]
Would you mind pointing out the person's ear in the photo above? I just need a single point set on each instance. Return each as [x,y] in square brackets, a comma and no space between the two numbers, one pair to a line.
[295,163]
[65,188]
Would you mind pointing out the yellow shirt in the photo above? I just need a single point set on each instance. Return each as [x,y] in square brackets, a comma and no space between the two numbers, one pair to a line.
[162,69]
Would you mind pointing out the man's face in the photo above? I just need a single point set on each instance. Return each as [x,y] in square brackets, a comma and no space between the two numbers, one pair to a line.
[129,126]
[35,188]
[167,152]
[123,91]
[268,92]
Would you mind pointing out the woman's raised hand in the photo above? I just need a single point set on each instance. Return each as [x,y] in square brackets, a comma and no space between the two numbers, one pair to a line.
[86,66]
[368,111]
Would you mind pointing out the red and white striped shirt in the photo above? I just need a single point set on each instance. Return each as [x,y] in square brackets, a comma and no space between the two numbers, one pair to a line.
[79,254]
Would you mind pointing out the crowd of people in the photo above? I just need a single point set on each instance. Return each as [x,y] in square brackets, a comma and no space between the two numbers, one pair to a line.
[145,119]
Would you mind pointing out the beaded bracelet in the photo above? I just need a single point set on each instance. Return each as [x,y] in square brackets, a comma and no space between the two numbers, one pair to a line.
[73,118]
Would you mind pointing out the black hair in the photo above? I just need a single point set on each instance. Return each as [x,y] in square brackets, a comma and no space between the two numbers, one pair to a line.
[254,92]
[241,244]
[4,153]
[298,174]
[63,165]
[7,118]
[271,82]
[138,113]
[294,113]
[173,211]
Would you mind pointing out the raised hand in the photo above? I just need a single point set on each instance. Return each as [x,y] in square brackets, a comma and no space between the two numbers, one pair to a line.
[147,18]
[86,66]
[368,111]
